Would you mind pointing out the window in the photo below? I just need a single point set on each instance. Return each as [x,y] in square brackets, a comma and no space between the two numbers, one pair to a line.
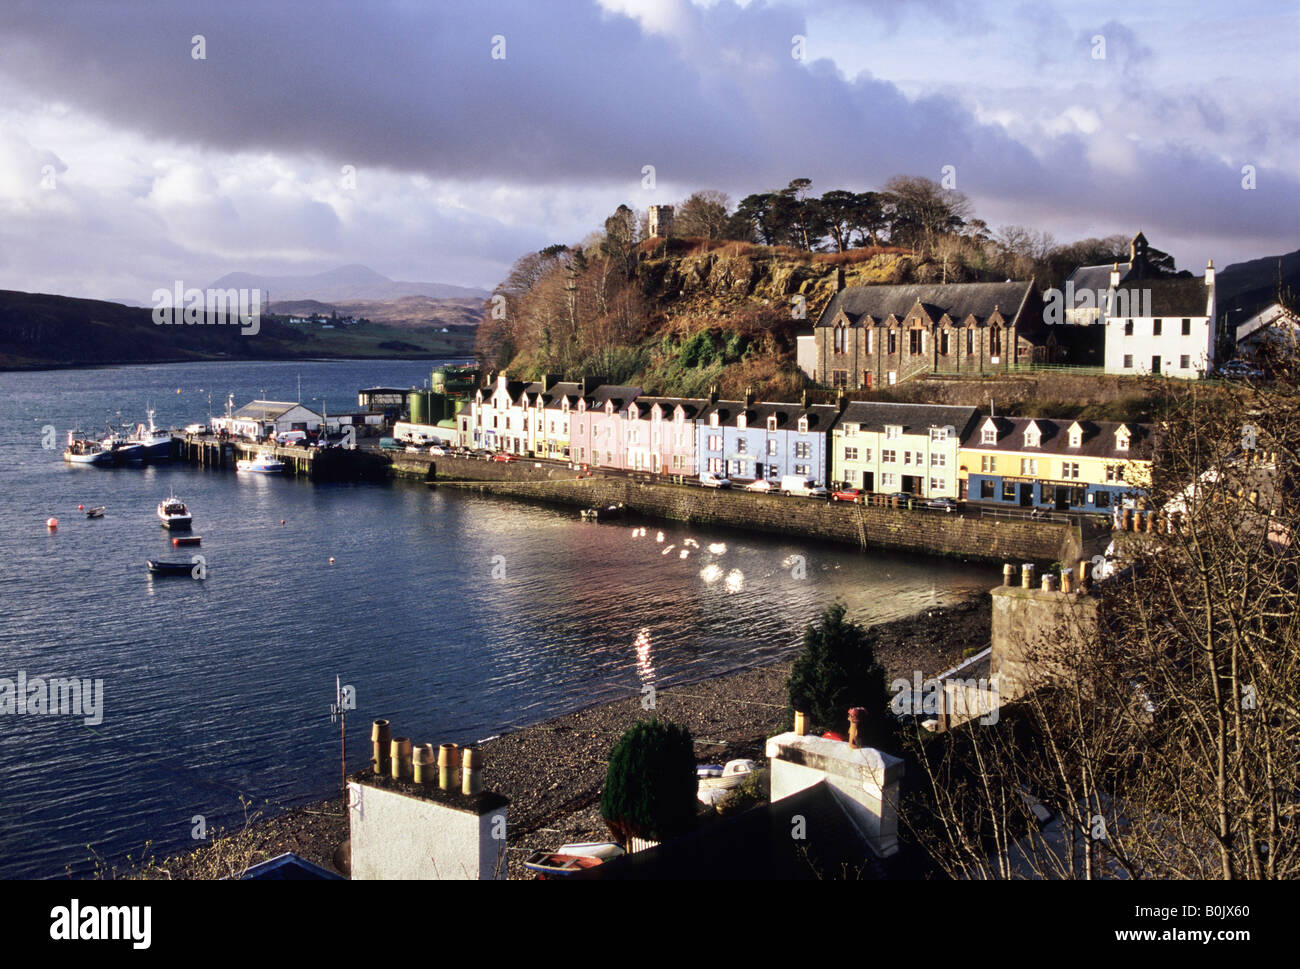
[851,430]
[850,454]
[1102,499]
[552,427]
[888,481]
[870,341]
[803,469]
[914,342]
[1187,327]
[938,460]
[742,422]
[936,484]
[1008,491]
[1114,472]
[907,457]
[771,445]
[1033,436]
[970,339]
[938,433]
[839,378]
[989,435]
[1069,469]
[893,432]
[716,465]
[1184,362]
[715,442]
[771,418]
[839,338]
[507,423]
[803,425]
[582,454]
[742,446]
[1029,466]
[943,342]
[1155,327]
[713,420]
[1076,437]
[995,341]
[866,454]
[803,450]
[988,463]
[1128,327]
[893,342]
[1121,440]
[1128,361]
[888,456]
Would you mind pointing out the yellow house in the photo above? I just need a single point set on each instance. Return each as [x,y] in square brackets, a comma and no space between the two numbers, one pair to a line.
[1080,466]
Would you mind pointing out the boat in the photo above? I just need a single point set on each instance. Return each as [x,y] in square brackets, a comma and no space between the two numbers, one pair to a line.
[608,513]
[120,446]
[262,464]
[604,850]
[85,451]
[733,775]
[173,514]
[555,864]
[187,540]
[155,444]
[96,512]
[170,568]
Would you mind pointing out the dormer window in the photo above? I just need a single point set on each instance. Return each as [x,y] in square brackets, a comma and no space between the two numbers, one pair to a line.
[1121,439]
[1033,436]
[803,425]
[938,433]
[771,422]
[989,434]
[742,422]
[1076,435]
[893,432]
[713,419]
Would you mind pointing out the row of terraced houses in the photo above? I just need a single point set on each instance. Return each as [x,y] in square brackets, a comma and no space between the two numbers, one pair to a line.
[928,450]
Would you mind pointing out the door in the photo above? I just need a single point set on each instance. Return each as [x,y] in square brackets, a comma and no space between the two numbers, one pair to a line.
[868,481]
[1062,498]
[1155,364]
[1026,495]
[758,470]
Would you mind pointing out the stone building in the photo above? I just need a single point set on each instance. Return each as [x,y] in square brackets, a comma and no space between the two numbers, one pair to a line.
[660,221]
[870,336]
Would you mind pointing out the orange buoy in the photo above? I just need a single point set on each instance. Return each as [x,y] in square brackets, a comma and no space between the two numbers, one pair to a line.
[52,523]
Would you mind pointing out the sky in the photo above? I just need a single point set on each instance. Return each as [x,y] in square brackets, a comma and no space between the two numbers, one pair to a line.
[441,141]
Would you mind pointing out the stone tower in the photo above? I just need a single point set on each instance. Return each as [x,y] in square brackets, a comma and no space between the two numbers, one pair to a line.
[661,221]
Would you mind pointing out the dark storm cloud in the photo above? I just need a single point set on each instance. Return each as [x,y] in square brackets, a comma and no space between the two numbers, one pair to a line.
[586,96]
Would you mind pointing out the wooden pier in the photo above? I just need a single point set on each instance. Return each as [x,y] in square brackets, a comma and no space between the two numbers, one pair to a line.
[207,451]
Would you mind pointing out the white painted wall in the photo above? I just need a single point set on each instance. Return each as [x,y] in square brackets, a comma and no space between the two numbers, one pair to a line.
[397,836]
[1170,346]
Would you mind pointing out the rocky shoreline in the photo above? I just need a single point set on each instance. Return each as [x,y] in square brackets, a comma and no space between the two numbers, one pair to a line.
[552,772]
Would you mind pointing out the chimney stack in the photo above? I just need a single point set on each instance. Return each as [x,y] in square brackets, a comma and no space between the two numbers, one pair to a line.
[749,396]
[423,765]
[839,278]
[1114,275]
[401,757]
[1209,274]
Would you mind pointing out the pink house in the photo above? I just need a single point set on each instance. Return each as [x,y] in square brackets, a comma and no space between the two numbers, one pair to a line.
[598,435]
[660,434]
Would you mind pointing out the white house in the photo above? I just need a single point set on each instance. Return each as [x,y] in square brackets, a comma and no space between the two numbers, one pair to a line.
[259,418]
[1161,326]
[1274,324]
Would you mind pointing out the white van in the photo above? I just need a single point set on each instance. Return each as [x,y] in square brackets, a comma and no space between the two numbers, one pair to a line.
[797,484]
[290,438]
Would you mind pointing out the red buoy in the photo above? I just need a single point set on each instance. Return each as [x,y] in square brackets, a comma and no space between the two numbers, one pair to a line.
[52,524]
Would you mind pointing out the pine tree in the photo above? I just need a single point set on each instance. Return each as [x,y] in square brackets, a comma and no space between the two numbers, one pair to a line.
[650,785]
[836,670]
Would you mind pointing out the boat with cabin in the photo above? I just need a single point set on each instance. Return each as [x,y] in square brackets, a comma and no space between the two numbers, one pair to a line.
[155,444]
[86,451]
[174,515]
[262,464]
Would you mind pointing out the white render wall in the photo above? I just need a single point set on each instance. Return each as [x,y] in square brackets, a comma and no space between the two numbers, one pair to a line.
[1170,346]
[397,836]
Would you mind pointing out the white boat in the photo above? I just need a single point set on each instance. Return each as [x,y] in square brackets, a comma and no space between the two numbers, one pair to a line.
[83,451]
[173,514]
[262,464]
[733,775]
[603,850]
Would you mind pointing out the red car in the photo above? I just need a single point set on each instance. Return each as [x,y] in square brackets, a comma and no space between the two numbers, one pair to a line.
[503,457]
[848,494]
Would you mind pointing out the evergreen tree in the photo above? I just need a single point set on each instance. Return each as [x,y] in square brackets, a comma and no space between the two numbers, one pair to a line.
[836,670]
[650,785]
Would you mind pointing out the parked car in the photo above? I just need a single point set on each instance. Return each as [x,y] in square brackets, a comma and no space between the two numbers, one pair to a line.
[503,457]
[761,485]
[904,497]
[942,504]
[412,449]
[796,484]
[437,451]
[711,480]
[196,429]
[848,494]
[1239,370]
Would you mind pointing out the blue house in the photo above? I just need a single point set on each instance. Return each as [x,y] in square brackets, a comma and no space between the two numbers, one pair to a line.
[747,440]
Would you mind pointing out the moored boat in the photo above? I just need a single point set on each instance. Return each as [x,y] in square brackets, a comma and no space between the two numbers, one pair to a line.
[174,515]
[96,512]
[157,567]
[262,464]
[554,864]
[155,444]
[187,540]
[84,451]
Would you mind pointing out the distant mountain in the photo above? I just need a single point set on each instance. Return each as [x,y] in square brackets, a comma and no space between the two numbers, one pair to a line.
[408,311]
[345,284]
[1244,288]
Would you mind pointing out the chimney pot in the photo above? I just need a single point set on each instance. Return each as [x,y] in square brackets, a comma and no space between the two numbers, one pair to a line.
[423,765]
[800,723]
[401,757]
[1067,580]
[1027,575]
[1049,582]
[447,766]
[471,771]
[1008,574]
[856,715]
[379,740]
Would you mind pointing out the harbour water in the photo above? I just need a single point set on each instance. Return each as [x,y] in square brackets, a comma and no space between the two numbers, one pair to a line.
[454,615]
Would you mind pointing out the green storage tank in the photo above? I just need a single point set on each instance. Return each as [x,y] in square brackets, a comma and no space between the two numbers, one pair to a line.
[418,403]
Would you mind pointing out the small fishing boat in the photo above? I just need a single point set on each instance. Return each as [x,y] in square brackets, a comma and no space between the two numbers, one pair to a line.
[85,451]
[262,464]
[716,781]
[171,568]
[96,512]
[554,864]
[174,515]
[118,444]
[155,444]
[187,540]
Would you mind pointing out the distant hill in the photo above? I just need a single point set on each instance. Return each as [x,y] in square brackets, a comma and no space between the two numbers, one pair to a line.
[345,284]
[407,311]
[43,330]
[1244,288]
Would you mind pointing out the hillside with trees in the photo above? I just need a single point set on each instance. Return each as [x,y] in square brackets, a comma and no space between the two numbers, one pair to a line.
[719,303]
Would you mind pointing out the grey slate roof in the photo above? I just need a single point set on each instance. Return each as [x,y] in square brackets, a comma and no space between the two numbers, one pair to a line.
[620,394]
[1179,296]
[266,410]
[959,300]
[691,405]
[1097,278]
[914,418]
[1098,438]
